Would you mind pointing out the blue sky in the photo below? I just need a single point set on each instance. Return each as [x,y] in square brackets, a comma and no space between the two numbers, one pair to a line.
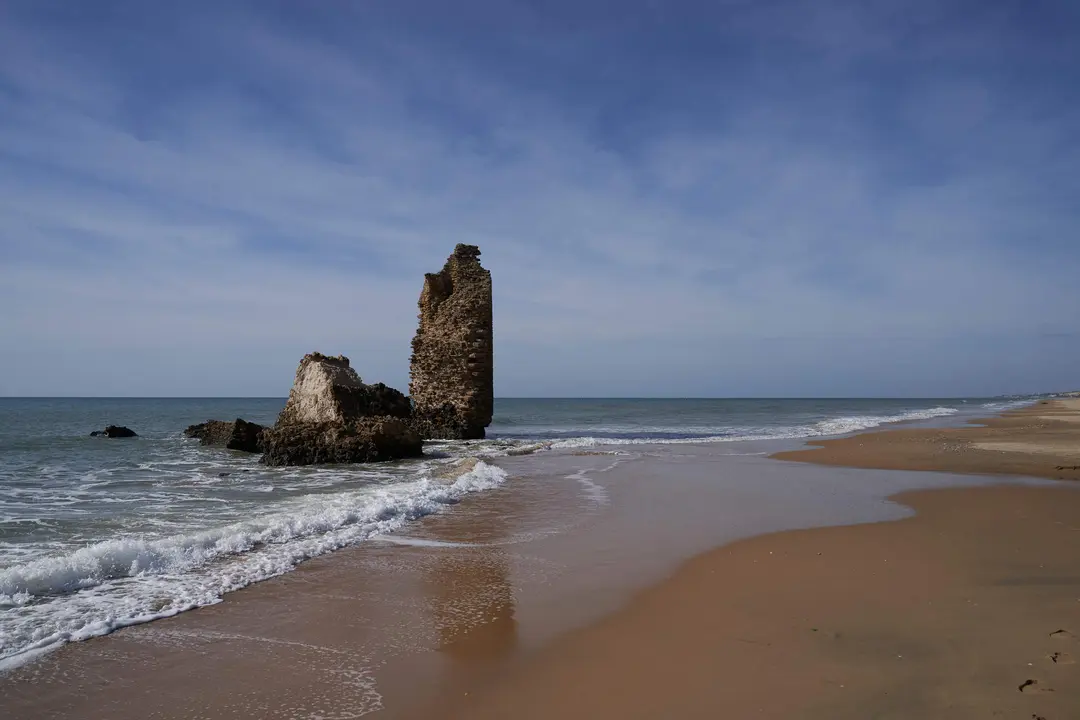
[725,198]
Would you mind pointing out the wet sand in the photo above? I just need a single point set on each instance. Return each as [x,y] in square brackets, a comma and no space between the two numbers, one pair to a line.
[1042,440]
[969,609]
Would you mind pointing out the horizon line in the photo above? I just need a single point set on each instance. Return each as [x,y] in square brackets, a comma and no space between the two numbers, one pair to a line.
[562,397]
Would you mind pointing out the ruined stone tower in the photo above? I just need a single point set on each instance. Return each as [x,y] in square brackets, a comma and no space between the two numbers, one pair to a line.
[451,377]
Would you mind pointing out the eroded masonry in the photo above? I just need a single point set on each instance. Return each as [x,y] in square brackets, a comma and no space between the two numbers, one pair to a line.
[332,416]
[451,376]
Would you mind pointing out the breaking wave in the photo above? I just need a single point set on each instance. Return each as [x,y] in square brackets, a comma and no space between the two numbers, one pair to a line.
[108,585]
[821,428]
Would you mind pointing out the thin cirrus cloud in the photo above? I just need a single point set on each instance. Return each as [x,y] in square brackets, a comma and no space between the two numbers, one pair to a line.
[680,199]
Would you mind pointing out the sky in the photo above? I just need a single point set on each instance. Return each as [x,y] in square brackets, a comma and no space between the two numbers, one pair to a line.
[730,198]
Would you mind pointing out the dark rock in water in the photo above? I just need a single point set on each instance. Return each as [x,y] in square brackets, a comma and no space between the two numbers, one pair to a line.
[363,440]
[236,435]
[115,431]
[451,374]
[197,431]
[333,417]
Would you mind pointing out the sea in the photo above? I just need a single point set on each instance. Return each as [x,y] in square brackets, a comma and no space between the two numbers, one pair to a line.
[97,534]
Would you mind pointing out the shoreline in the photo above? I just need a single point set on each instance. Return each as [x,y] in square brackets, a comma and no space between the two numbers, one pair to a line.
[1039,440]
[480,599]
[968,608]
[961,610]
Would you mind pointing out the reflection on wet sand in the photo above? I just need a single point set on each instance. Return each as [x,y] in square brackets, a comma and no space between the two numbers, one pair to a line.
[473,605]
[471,596]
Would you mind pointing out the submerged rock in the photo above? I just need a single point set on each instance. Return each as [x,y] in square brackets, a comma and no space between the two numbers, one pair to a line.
[451,373]
[115,431]
[236,435]
[332,416]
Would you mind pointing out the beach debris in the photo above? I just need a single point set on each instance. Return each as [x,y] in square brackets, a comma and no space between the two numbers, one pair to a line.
[332,416]
[451,371]
[236,435]
[114,431]
[1060,658]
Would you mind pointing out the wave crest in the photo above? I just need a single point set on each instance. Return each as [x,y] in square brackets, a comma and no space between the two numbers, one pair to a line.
[71,596]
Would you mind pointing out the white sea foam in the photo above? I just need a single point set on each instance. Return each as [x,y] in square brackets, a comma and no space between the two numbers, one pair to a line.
[834,426]
[844,425]
[1003,405]
[108,585]
[424,542]
[593,490]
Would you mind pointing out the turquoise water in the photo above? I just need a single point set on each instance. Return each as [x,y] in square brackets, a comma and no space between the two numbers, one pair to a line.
[98,533]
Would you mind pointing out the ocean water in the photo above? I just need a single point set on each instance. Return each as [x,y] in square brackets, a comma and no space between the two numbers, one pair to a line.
[96,534]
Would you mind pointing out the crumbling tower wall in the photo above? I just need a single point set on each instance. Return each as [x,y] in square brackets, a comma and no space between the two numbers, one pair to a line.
[452,371]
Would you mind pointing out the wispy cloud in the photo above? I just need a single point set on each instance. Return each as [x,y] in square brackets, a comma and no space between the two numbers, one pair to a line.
[664,200]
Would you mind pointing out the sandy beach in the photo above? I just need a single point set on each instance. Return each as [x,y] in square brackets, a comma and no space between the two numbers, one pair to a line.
[662,582]
[1042,440]
[969,609]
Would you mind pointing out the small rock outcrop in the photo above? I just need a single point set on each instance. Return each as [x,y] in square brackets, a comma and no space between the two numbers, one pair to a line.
[362,440]
[327,389]
[115,431]
[236,435]
[451,374]
[332,416]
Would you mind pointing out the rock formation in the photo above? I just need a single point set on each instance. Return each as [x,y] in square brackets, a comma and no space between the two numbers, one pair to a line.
[451,376]
[327,389]
[333,417]
[237,435]
[363,440]
[114,431]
